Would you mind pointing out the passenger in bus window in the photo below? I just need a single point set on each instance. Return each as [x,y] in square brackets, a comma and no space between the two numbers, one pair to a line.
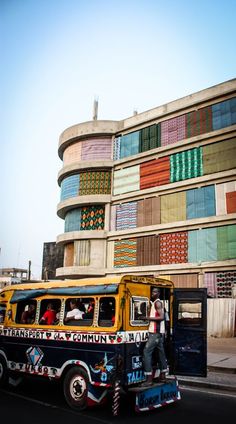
[28,316]
[49,317]
[75,312]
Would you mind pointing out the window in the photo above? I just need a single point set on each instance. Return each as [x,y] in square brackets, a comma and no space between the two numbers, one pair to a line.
[2,312]
[190,313]
[79,311]
[138,309]
[49,311]
[26,311]
[107,311]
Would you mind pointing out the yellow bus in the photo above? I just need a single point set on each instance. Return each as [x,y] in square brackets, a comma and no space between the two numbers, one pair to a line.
[90,335]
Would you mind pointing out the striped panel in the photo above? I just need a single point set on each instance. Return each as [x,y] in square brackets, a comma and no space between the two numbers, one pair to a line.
[221,196]
[187,164]
[224,114]
[219,156]
[125,253]
[126,216]
[173,207]
[70,187]
[148,250]
[226,242]
[69,254]
[173,248]
[96,149]
[97,182]
[202,245]
[148,211]
[173,130]
[82,252]
[199,122]
[225,281]
[72,220]
[130,144]
[116,148]
[155,173]
[210,283]
[72,154]
[92,217]
[126,180]
[201,202]
[185,280]
[231,202]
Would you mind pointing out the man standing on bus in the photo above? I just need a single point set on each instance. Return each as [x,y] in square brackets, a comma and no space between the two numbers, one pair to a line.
[156,331]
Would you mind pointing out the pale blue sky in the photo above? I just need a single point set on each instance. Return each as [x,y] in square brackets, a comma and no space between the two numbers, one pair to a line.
[57,55]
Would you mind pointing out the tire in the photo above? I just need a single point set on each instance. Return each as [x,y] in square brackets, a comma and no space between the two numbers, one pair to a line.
[75,387]
[3,372]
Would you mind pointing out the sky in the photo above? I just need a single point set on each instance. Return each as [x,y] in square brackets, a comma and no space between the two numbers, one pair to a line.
[57,56]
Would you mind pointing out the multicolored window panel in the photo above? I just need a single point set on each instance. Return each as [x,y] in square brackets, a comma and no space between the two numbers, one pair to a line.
[199,122]
[173,130]
[126,216]
[70,187]
[92,218]
[72,220]
[225,281]
[174,248]
[185,165]
[201,202]
[125,253]
[129,144]
[226,242]
[202,245]
[149,138]
[224,114]
[95,182]
[155,173]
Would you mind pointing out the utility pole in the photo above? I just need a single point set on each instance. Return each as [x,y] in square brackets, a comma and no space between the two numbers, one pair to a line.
[29,271]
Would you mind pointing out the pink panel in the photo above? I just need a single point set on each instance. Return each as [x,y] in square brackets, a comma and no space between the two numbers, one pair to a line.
[96,149]
[173,130]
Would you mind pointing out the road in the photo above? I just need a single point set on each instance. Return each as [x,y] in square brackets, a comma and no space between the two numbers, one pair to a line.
[43,403]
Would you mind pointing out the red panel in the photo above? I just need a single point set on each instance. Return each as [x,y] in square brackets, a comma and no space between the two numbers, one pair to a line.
[154,173]
[231,202]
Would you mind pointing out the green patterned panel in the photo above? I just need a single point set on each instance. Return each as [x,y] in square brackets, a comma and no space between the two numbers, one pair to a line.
[92,218]
[185,165]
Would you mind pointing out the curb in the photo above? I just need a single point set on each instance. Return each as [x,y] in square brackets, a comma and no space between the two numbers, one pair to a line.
[207,384]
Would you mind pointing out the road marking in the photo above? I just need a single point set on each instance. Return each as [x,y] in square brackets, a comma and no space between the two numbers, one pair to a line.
[39,402]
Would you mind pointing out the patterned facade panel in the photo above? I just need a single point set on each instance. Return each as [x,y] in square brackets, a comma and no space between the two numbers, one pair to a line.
[70,187]
[210,283]
[72,220]
[219,156]
[201,202]
[226,242]
[148,211]
[126,216]
[116,148]
[155,173]
[202,245]
[173,207]
[82,253]
[97,182]
[69,255]
[113,218]
[225,281]
[173,130]
[130,144]
[174,248]
[96,149]
[185,165]
[125,253]
[231,202]
[72,154]
[224,114]
[185,280]
[222,205]
[199,122]
[149,138]
[148,252]
[92,217]
[126,180]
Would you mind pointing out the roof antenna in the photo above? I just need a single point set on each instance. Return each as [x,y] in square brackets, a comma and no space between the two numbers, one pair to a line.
[95,109]
[135,112]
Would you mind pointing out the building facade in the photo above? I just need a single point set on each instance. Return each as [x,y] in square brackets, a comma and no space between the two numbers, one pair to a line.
[154,193]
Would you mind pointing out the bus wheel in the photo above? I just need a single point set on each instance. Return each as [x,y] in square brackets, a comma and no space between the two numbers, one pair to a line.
[75,388]
[3,372]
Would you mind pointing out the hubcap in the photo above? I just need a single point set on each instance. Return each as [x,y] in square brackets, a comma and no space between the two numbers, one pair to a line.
[77,387]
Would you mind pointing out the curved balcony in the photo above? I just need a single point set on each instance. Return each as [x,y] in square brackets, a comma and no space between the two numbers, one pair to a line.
[86,165]
[93,199]
[85,129]
[81,235]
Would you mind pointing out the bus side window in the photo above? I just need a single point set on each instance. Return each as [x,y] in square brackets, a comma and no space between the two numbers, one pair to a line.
[49,309]
[26,311]
[138,310]
[2,312]
[106,312]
